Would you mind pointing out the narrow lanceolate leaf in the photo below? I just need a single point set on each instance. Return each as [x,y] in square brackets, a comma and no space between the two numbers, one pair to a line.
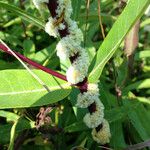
[143,84]
[19,89]
[139,123]
[12,135]
[124,23]
[24,15]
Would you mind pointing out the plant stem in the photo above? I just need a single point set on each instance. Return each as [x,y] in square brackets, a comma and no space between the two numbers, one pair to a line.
[52,6]
[36,65]
[100,19]
[86,20]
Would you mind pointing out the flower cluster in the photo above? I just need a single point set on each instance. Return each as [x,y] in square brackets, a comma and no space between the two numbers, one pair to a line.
[70,47]
[103,135]
[94,119]
[85,99]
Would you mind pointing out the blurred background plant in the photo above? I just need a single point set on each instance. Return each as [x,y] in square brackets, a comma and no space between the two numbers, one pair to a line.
[124,81]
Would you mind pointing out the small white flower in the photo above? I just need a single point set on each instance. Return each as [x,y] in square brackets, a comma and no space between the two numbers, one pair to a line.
[50,28]
[38,3]
[61,26]
[78,71]
[93,88]
[67,47]
[68,9]
[75,31]
[74,75]
[64,5]
[96,118]
[85,99]
[62,52]
[103,135]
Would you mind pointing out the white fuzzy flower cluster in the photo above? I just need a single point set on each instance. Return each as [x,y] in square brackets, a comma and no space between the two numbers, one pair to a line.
[95,119]
[64,11]
[39,3]
[103,135]
[79,68]
[50,28]
[67,47]
[64,5]
[75,31]
[85,99]
[70,45]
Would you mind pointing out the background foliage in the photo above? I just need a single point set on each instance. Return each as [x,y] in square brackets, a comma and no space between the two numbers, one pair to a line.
[124,81]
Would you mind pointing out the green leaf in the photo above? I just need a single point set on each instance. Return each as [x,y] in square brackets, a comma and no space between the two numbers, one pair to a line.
[13,22]
[142,54]
[75,127]
[119,113]
[5,129]
[143,84]
[143,100]
[7,65]
[19,89]
[117,140]
[145,22]
[116,35]
[24,15]
[139,119]
[12,135]
[28,48]
[9,115]
[139,125]
[45,54]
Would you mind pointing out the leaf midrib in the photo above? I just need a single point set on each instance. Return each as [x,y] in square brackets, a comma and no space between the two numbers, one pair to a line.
[66,86]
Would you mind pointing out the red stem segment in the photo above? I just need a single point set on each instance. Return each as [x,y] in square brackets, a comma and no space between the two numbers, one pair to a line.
[83,86]
[52,6]
[33,63]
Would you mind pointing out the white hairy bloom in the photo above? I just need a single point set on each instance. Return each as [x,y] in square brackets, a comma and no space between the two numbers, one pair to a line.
[50,28]
[103,135]
[38,3]
[85,99]
[68,9]
[61,26]
[60,8]
[93,88]
[96,118]
[78,70]
[74,76]
[64,5]
[75,31]
[67,47]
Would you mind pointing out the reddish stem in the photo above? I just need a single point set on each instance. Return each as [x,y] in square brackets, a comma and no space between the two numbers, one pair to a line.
[36,65]
[52,6]
[92,108]
[83,86]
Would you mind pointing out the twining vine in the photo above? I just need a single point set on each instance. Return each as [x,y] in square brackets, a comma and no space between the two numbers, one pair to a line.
[70,47]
